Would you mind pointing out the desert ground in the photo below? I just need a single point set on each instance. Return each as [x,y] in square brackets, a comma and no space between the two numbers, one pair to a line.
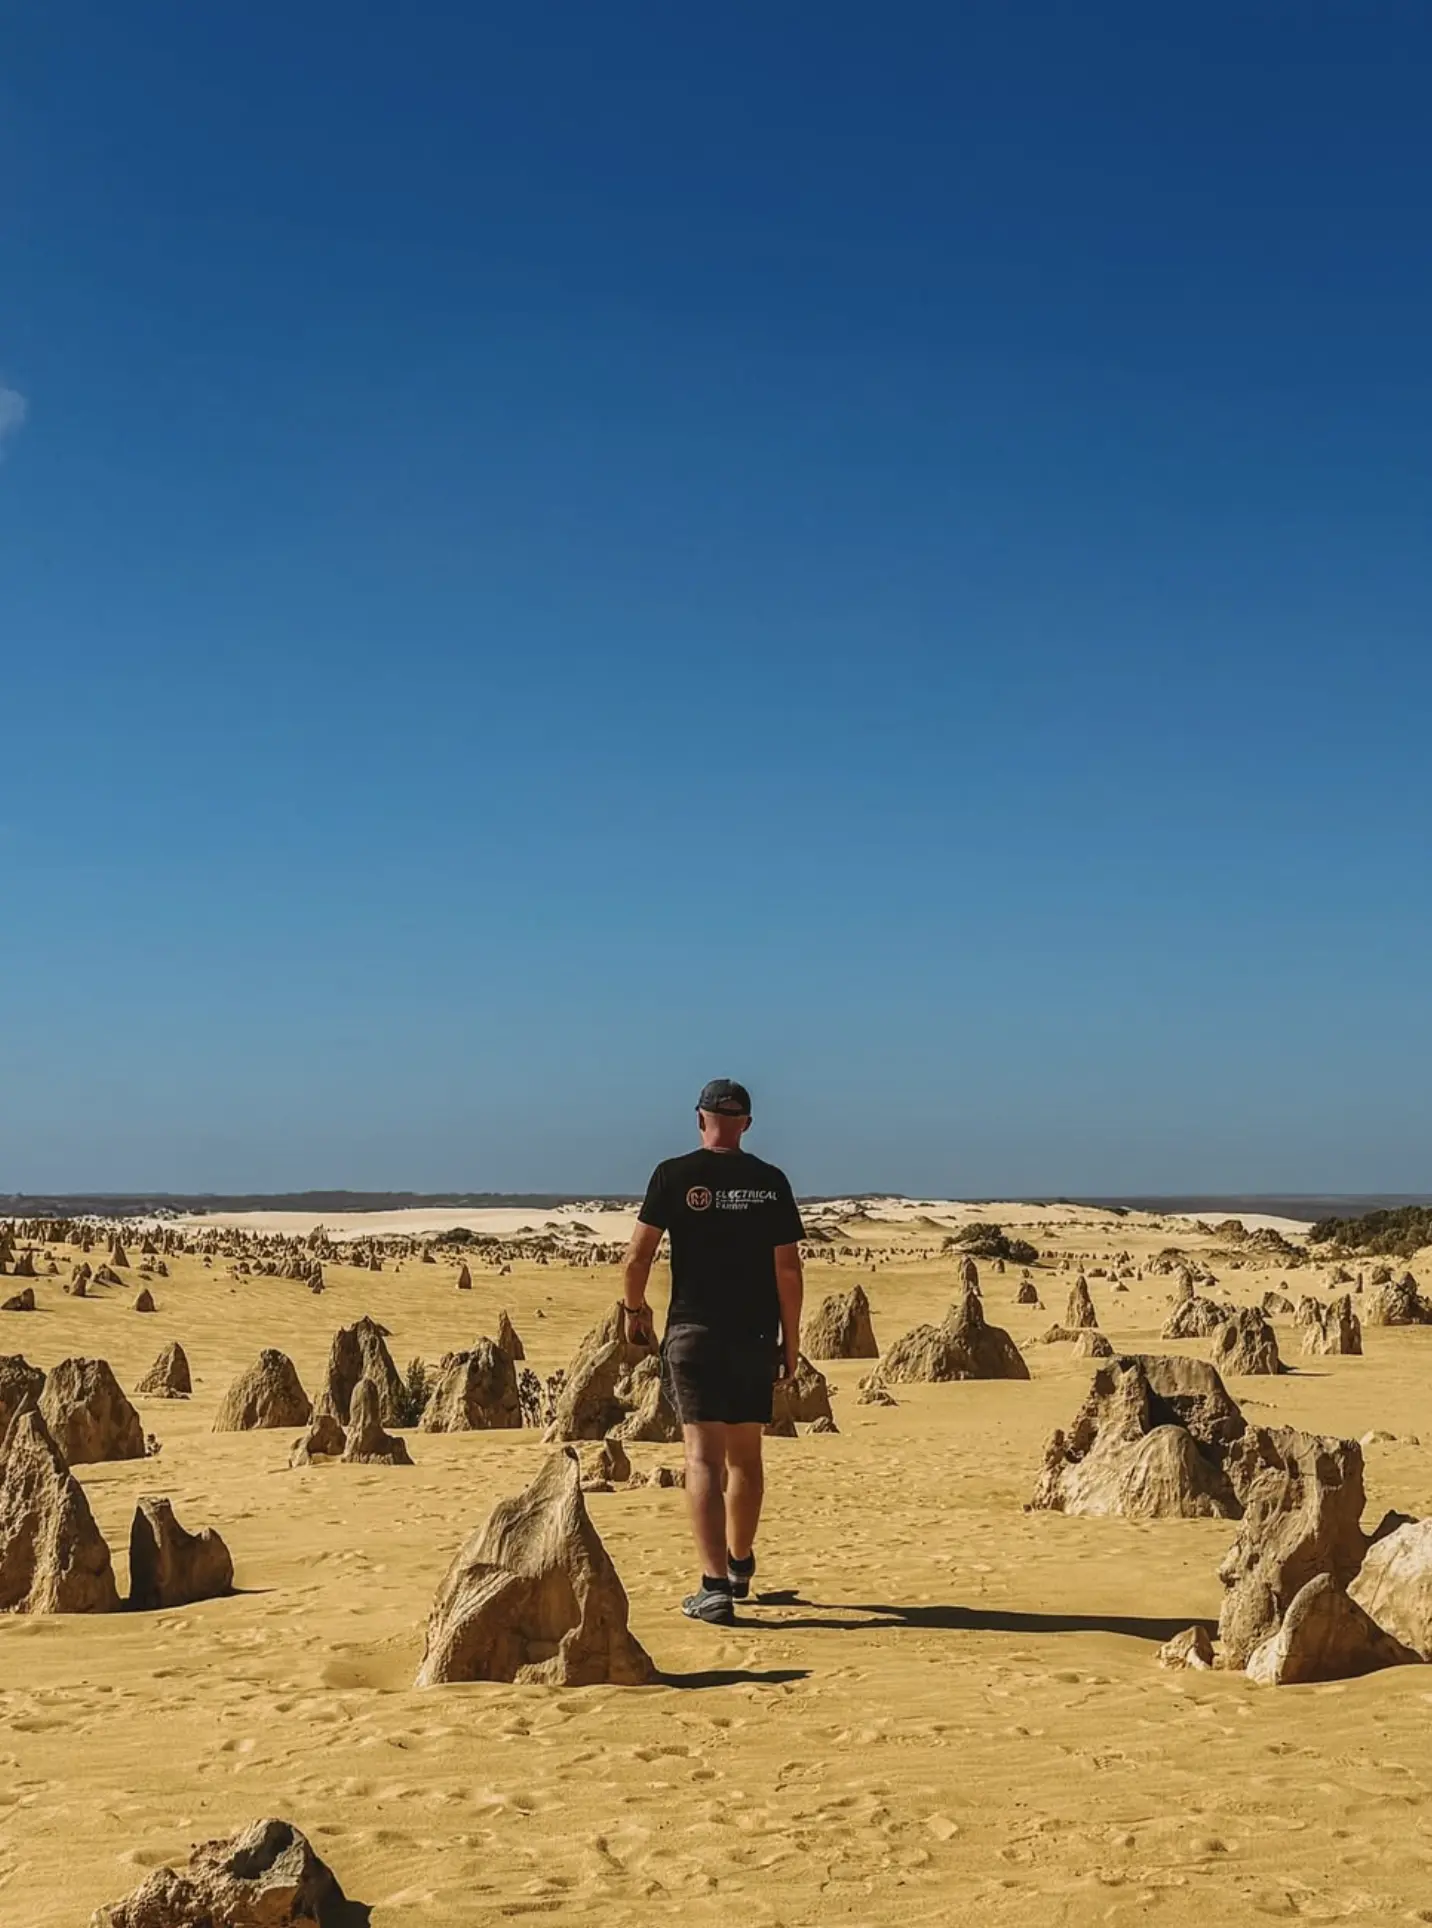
[944,1709]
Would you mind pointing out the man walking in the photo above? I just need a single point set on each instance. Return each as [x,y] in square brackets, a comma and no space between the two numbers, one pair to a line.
[733,1326]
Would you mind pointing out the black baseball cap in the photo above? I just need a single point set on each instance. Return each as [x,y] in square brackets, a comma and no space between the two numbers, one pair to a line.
[726,1096]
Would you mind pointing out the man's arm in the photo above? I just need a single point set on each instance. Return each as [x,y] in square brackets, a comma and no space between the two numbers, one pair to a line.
[637,1270]
[790,1290]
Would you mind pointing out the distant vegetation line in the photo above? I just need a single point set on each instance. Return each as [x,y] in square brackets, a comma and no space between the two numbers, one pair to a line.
[1395,1234]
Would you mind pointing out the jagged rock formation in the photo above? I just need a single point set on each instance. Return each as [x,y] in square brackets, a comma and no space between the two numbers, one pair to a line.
[1336,1331]
[1175,1264]
[961,1347]
[872,1393]
[360,1352]
[842,1328]
[1079,1312]
[1028,1294]
[1087,1340]
[53,1558]
[1397,1302]
[1092,1345]
[324,1439]
[267,1876]
[1302,1499]
[19,1301]
[1325,1635]
[464,1278]
[169,1567]
[803,1401]
[366,1444]
[533,1597]
[168,1377]
[476,1392]
[1150,1442]
[613,1386]
[266,1395]
[604,1464]
[1394,1585]
[650,1415]
[1275,1304]
[88,1415]
[1195,1318]
[1247,1343]
[144,1300]
[507,1339]
[20,1385]
[668,1476]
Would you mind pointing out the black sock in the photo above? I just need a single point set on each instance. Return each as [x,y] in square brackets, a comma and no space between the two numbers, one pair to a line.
[715,1583]
[744,1567]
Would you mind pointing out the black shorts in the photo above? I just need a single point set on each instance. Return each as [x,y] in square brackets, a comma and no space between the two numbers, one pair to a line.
[712,1378]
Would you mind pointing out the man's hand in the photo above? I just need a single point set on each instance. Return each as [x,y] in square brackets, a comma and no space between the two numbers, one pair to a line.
[790,1289]
[640,1325]
[637,1322]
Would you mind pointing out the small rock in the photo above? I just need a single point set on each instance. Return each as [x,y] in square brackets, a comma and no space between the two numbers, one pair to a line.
[1192,1648]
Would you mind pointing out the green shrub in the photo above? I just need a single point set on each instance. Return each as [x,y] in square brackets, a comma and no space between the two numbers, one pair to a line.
[1398,1233]
[417,1391]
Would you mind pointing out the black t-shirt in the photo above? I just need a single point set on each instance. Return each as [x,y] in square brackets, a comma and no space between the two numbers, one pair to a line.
[725,1212]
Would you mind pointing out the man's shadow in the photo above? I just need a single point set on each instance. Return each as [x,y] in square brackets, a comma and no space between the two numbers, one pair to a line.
[955,1619]
[735,1676]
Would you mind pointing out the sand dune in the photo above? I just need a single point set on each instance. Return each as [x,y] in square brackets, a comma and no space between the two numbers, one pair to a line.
[945,1710]
[933,1214]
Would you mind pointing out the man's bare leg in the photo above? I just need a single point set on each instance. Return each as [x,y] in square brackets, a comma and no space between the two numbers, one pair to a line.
[705,1492]
[745,1488]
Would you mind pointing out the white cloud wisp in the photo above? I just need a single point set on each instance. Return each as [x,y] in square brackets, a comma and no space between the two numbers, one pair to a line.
[13,410]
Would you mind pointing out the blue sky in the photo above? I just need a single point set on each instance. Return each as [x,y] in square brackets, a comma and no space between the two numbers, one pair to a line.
[547,554]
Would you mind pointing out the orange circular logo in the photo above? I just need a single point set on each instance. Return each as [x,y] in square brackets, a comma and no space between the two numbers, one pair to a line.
[699,1198]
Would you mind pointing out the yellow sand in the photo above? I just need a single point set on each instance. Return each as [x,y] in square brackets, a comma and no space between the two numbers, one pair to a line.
[959,1719]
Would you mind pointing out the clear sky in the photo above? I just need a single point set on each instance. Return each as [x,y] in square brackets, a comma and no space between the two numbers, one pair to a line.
[551,552]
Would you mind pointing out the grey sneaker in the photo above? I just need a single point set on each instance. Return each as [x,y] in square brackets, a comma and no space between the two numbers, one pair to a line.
[710,1603]
[740,1573]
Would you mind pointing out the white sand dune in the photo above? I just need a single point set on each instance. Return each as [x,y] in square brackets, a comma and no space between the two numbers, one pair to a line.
[420,1221]
[423,1220]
